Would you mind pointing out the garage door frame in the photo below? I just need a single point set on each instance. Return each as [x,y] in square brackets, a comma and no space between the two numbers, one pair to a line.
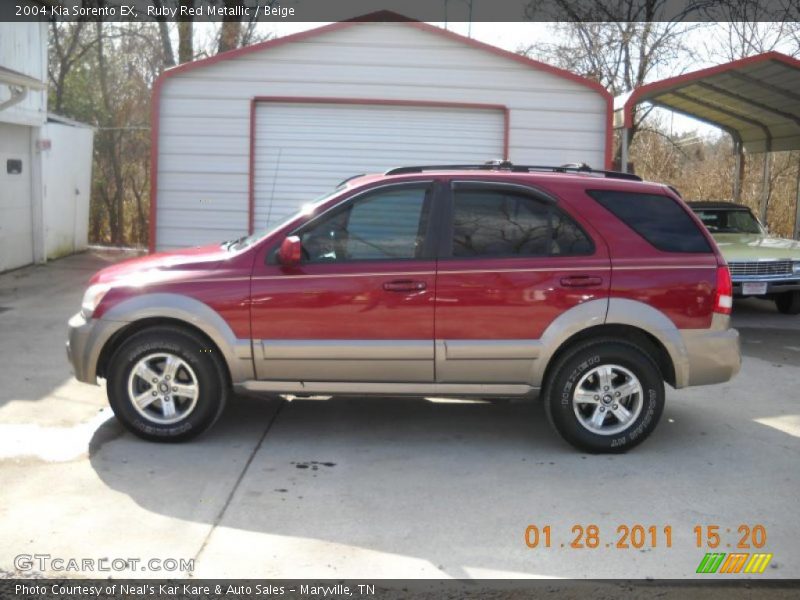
[254,102]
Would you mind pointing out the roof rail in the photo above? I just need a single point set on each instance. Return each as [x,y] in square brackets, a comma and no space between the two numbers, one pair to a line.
[343,181]
[504,165]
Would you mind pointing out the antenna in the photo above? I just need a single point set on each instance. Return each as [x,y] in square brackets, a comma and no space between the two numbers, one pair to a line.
[274,181]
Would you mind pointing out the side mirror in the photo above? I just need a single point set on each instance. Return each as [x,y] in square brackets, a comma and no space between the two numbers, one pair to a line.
[291,251]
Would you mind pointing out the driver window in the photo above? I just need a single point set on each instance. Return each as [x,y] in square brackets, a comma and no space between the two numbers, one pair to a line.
[386,225]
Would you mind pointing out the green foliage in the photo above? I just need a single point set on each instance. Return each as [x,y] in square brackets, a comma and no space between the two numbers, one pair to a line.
[102,74]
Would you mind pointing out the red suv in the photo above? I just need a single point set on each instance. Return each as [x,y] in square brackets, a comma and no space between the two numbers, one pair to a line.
[591,287]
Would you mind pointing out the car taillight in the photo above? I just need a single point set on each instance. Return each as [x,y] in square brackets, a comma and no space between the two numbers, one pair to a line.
[723,300]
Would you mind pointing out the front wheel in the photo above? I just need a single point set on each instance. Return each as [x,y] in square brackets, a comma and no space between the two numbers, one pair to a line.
[605,396]
[166,384]
[788,303]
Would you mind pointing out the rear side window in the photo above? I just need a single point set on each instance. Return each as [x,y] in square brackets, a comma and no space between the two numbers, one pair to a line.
[497,222]
[658,219]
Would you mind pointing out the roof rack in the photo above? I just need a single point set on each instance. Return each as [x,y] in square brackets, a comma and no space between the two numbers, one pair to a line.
[504,165]
[344,181]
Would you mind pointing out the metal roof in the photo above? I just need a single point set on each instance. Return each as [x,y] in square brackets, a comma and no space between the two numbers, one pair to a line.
[755,99]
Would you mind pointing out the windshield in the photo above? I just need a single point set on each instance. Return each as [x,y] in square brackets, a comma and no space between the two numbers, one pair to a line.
[306,209]
[729,221]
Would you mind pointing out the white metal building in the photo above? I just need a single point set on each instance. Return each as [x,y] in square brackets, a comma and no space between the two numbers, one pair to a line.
[45,161]
[243,139]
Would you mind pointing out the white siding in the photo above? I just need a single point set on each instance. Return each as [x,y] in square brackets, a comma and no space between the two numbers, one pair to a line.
[304,150]
[204,113]
[23,48]
[16,217]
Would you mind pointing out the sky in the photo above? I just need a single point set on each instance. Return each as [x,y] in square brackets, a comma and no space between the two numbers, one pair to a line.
[511,37]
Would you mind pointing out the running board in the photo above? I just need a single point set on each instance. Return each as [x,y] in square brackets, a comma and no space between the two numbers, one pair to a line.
[387,389]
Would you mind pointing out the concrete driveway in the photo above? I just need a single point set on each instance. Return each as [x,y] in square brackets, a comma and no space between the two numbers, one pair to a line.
[373,488]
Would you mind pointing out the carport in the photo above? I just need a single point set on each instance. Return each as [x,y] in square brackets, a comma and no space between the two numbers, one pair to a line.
[756,100]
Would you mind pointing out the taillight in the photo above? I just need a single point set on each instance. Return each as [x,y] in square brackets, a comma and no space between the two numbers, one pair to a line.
[723,300]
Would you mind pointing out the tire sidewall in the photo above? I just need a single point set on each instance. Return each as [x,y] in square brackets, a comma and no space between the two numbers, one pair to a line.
[788,303]
[210,395]
[569,375]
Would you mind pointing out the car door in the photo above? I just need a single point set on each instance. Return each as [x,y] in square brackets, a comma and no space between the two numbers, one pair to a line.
[512,261]
[359,307]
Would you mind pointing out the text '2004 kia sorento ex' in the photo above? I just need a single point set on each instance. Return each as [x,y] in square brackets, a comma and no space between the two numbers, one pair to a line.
[592,287]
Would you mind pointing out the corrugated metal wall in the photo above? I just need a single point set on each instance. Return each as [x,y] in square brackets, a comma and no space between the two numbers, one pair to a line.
[205,113]
[305,150]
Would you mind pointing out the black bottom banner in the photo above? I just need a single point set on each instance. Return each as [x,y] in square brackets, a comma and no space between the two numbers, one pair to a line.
[391,589]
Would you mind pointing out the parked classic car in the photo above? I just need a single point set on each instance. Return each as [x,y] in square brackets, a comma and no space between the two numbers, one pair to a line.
[761,264]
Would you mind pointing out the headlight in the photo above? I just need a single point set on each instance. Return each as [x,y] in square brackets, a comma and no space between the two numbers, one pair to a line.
[796,268]
[92,298]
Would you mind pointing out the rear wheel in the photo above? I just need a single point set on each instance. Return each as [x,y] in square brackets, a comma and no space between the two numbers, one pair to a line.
[605,396]
[788,303]
[166,384]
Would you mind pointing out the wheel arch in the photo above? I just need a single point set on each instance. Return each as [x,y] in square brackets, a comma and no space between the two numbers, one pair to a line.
[158,310]
[641,338]
[629,320]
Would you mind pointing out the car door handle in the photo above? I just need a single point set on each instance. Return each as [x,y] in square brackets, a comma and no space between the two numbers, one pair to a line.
[404,285]
[581,281]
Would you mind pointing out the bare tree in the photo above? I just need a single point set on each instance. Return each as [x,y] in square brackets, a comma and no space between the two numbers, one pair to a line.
[618,43]
[113,198]
[753,27]
[103,74]
[69,44]
[231,30]
[186,35]
[163,30]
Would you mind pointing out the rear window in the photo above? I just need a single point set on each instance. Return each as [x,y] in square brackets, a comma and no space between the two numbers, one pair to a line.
[658,219]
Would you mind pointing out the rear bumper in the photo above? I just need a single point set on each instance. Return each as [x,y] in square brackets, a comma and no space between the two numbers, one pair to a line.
[85,341]
[712,355]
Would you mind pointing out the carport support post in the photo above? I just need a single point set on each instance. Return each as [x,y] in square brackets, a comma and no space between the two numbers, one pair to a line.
[765,187]
[797,206]
[738,171]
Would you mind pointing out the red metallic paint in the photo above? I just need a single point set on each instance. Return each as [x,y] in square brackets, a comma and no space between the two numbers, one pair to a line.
[470,299]
[345,301]
[680,285]
[482,299]
[216,277]
[376,16]
[291,252]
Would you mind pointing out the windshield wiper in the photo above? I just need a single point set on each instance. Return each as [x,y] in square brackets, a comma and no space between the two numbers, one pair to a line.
[231,243]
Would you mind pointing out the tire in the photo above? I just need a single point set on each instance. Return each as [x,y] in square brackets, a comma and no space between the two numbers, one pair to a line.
[580,374]
[197,389]
[788,303]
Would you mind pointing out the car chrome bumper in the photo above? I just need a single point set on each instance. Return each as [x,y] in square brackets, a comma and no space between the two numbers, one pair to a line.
[774,286]
[85,341]
[714,354]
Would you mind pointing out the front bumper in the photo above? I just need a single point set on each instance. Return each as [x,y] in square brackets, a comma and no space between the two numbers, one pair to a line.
[714,354]
[85,341]
[774,286]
